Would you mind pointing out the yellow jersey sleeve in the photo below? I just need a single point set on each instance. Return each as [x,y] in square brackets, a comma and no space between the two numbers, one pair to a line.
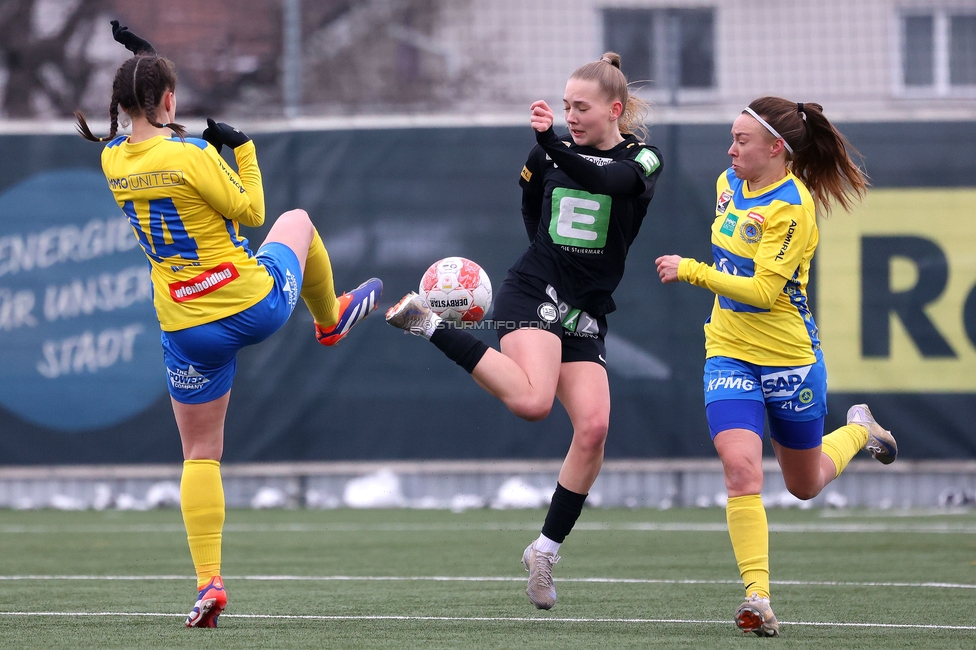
[761,290]
[785,240]
[236,196]
[185,206]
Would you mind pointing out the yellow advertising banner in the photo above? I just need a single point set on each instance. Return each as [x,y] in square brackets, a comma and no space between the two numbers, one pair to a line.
[896,292]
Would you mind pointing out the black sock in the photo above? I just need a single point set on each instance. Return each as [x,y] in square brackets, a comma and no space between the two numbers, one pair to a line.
[463,348]
[564,510]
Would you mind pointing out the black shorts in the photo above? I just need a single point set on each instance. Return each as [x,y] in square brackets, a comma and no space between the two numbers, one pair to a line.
[524,302]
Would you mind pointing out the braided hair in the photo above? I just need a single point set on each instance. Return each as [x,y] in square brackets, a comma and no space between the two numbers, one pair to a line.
[139,85]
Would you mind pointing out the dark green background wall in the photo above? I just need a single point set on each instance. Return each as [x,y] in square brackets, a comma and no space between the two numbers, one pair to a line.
[390,202]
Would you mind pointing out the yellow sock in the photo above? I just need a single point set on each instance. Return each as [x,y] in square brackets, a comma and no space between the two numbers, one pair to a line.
[202,503]
[750,541]
[843,444]
[318,287]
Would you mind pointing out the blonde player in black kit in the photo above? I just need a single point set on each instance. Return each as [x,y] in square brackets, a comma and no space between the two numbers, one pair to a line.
[584,197]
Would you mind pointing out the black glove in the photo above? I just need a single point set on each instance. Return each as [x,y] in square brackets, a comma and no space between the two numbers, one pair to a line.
[218,134]
[132,42]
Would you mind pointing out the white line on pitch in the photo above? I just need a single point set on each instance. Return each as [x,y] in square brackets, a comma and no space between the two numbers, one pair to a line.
[494,619]
[645,581]
[817,527]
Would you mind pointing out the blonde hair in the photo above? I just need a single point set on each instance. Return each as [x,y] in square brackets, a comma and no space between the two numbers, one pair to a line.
[608,76]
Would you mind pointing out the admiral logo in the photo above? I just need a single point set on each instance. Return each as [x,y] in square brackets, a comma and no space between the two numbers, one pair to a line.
[787,241]
[723,202]
[445,304]
[231,176]
[758,217]
[206,282]
[150,180]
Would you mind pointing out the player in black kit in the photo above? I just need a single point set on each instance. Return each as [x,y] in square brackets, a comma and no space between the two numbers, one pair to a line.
[584,197]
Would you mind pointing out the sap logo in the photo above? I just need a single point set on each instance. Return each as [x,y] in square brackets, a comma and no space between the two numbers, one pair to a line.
[783,383]
[730,382]
[118,183]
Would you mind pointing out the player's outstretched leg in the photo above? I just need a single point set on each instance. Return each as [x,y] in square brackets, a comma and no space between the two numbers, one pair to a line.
[755,615]
[211,601]
[413,315]
[880,442]
[354,306]
[540,590]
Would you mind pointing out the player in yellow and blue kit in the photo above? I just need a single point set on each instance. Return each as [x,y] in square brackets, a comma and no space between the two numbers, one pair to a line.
[212,295]
[763,356]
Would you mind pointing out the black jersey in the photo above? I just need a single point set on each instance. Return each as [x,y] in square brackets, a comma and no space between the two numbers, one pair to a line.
[582,208]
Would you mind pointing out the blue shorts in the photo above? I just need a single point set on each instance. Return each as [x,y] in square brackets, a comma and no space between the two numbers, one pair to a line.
[201,361]
[794,398]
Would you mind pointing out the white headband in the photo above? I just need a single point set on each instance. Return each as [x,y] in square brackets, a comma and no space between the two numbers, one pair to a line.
[770,129]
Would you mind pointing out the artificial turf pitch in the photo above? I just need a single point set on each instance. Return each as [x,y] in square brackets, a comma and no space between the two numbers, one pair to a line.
[436,579]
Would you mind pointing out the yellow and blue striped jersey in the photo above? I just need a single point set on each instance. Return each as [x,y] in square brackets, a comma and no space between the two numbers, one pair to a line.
[186,206]
[774,228]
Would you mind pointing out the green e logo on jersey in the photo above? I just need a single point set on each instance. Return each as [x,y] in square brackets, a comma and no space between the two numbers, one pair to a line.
[579,218]
[648,161]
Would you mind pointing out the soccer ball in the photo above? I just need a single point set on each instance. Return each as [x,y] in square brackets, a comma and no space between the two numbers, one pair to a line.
[456,289]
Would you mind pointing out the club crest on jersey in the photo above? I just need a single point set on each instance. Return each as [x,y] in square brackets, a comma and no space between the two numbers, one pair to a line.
[723,202]
[750,232]
[548,312]
[206,282]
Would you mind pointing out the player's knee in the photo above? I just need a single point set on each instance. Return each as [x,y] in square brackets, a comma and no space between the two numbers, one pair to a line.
[531,408]
[743,477]
[803,491]
[591,434]
[298,216]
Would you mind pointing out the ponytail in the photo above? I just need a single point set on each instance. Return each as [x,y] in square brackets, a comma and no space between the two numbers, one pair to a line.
[821,155]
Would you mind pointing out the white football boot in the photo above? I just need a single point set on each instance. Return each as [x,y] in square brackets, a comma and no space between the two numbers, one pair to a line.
[880,442]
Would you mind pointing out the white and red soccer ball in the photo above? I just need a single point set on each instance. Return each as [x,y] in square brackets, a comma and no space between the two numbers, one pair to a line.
[457,289]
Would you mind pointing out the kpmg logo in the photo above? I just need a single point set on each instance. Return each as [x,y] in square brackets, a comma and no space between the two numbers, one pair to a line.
[77,326]
[729,380]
